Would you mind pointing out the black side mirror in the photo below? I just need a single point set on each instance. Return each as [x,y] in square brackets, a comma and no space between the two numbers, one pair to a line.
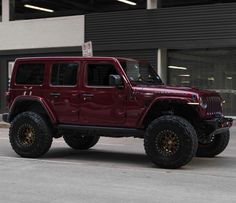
[115,80]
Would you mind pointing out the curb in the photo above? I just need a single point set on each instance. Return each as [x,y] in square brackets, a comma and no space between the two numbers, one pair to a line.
[4,125]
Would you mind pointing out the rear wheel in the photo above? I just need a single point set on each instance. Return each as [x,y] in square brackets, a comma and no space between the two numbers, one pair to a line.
[217,144]
[30,135]
[170,142]
[80,142]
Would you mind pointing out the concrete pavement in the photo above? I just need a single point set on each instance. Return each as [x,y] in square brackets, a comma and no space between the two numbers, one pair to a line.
[115,170]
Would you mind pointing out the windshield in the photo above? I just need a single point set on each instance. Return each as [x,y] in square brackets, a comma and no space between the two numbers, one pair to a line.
[140,72]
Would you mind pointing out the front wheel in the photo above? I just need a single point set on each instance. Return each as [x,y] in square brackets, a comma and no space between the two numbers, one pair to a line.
[217,145]
[80,142]
[170,142]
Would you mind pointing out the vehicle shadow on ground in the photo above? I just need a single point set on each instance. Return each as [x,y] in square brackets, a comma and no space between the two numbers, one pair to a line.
[216,162]
[99,155]
[138,159]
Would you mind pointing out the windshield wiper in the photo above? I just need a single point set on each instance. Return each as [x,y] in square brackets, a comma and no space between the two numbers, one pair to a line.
[152,81]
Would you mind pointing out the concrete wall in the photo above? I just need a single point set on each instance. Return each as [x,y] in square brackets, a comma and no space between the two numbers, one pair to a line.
[42,33]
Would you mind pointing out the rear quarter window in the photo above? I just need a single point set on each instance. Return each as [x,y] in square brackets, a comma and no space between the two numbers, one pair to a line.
[30,74]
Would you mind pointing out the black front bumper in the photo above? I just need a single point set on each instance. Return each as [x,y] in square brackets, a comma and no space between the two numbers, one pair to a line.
[220,125]
[5,117]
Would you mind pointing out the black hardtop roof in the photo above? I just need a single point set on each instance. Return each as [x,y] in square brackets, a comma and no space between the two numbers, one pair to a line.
[49,58]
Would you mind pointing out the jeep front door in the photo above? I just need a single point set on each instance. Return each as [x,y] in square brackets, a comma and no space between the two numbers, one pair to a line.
[100,103]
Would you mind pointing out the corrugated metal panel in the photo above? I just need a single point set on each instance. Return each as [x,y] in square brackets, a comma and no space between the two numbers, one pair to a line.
[179,27]
[148,55]
[169,3]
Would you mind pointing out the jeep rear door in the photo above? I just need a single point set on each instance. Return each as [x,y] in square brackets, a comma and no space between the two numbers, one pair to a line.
[99,103]
[62,93]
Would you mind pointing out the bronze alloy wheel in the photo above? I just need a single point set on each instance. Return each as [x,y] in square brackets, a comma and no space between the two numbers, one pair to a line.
[30,135]
[167,143]
[26,135]
[170,142]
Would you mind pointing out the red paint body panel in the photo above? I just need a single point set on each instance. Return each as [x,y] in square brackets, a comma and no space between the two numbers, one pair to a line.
[108,106]
[104,106]
[40,100]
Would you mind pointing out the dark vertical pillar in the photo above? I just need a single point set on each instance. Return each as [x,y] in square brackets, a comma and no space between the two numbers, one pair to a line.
[12,9]
[159,3]
[3,84]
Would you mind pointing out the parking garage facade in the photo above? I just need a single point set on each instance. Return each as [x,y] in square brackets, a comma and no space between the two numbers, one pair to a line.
[189,44]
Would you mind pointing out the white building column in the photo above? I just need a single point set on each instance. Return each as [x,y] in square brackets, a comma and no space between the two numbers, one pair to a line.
[161,53]
[5,10]
[162,64]
[152,4]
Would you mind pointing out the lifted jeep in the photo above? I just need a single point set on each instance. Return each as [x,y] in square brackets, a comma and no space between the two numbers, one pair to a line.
[82,99]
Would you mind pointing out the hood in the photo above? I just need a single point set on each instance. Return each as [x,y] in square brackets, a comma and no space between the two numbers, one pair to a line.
[174,90]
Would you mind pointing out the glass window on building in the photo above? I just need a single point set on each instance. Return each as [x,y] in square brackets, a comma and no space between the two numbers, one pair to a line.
[212,69]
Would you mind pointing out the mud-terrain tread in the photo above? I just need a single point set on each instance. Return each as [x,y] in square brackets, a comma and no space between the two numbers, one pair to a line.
[91,141]
[188,131]
[218,145]
[43,136]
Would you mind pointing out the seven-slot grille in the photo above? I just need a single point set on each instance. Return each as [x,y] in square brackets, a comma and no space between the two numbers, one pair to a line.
[213,104]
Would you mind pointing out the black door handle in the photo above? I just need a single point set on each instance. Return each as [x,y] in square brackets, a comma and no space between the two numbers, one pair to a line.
[55,94]
[87,95]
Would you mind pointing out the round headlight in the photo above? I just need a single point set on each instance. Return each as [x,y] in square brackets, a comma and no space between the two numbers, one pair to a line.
[194,97]
[222,103]
[202,102]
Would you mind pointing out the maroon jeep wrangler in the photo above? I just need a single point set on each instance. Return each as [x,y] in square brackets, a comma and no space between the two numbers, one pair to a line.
[81,99]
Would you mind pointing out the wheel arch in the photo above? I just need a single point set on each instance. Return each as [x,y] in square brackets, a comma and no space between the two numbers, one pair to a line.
[169,106]
[32,103]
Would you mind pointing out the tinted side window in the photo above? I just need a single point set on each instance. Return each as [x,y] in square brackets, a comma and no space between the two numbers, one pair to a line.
[98,74]
[64,74]
[30,74]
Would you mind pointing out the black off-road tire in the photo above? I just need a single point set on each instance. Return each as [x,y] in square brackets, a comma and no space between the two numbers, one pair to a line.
[170,155]
[36,127]
[217,145]
[80,142]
